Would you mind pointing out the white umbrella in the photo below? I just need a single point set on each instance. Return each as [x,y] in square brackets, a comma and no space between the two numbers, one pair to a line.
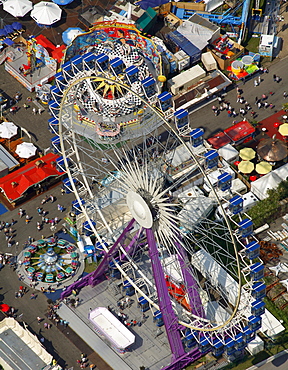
[17,8]
[25,150]
[8,130]
[46,13]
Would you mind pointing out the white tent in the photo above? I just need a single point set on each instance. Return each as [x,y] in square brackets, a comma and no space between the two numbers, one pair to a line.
[229,153]
[261,186]
[282,171]
[194,211]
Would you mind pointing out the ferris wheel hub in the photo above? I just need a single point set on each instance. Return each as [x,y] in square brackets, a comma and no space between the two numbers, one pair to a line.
[139,209]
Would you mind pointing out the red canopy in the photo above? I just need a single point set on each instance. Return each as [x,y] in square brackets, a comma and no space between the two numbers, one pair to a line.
[4,307]
[16,183]
[240,131]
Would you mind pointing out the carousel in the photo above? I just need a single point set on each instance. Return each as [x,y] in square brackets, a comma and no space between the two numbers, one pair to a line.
[50,261]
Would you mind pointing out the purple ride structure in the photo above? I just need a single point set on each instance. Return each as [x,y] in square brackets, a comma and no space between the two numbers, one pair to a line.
[134,180]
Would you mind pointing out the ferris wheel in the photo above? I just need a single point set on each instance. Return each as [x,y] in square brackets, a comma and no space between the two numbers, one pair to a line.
[135,180]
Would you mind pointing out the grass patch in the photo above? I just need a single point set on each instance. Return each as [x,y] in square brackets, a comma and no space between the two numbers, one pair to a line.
[252,44]
[90,267]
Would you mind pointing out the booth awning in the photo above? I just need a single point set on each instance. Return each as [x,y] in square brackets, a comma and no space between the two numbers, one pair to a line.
[15,184]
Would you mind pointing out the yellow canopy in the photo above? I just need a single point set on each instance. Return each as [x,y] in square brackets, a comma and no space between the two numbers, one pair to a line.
[283,129]
[263,167]
[246,167]
[247,153]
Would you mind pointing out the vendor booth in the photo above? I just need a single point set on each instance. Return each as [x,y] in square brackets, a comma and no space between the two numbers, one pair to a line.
[106,324]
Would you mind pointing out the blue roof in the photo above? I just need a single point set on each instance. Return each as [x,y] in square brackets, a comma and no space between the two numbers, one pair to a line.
[256,267]
[196,133]
[258,304]
[77,59]
[236,200]
[101,57]
[224,177]
[148,81]
[55,140]
[252,246]
[211,154]
[164,96]
[88,57]
[254,319]
[67,181]
[145,4]
[183,43]
[258,286]
[180,113]
[67,66]
[245,223]
[75,202]
[116,62]
[130,71]
[53,121]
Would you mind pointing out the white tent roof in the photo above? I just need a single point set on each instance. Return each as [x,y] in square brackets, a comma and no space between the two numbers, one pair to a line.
[265,183]
[228,152]
[282,171]
[194,211]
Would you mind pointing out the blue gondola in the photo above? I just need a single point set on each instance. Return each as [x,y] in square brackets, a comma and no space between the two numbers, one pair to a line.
[165,100]
[148,85]
[77,63]
[240,342]
[230,346]
[143,304]
[128,288]
[254,322]
[236,205]
[245,227]
[158,318]
[258,307]
[196,137]
[102,61]
[117,65]
[132,73]
[258,290]
[181,118]
[67,185]
[248,334]
[256,271]
[89,61]
[76,206]
[113,271]
[252,250]
[224,181]
[217,348]
[190,340]
[204,345]
[211,159]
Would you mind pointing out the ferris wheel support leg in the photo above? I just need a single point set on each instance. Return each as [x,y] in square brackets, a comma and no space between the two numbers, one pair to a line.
[193,294]
[169,318]
[97,276]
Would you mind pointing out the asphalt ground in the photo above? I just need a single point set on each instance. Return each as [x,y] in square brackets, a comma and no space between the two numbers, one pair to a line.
[64,345]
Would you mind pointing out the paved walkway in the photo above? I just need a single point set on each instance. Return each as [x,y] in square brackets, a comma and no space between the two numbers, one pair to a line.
[92,339]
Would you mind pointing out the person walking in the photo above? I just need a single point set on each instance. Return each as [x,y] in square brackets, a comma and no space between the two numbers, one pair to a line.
[27,219]
[256,83]
[284,94]
[40,111]
[259,104]
[34,111]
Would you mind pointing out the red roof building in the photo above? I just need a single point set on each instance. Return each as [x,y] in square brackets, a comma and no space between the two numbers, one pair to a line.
[16,184]
[240,132]
[218,140]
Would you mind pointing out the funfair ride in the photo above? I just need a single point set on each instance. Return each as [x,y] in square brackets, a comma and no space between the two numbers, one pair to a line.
[133,189]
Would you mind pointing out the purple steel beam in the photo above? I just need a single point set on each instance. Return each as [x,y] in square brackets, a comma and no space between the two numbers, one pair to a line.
[190,283]
[183,361]
[97,276]
[165,305]
[100,270]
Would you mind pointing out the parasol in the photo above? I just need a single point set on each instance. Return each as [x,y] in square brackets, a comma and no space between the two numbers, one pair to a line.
[69,35]
[247,153]
[4,307]
[46,13]
[283,129]
[263,167]
[8,130]
[25,150]
[246,167]
[272,149]
[17,8]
